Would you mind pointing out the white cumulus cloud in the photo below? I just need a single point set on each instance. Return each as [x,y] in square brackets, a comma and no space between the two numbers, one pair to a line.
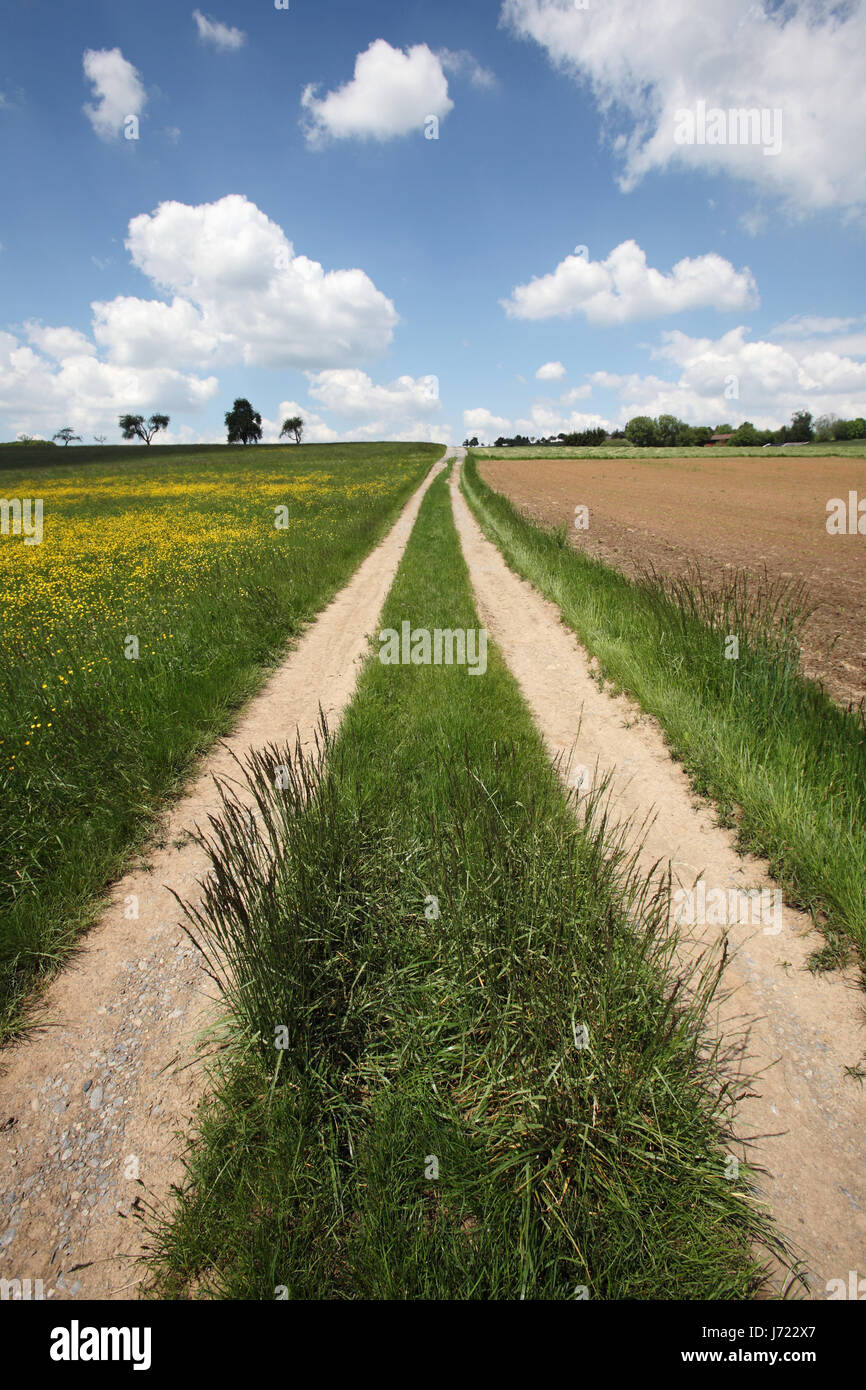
[732,379]
[40,393]
[316,430]
[146,332]
[623,288]
[545,419]
[647,61]
[479,421]
[119,90]
[408,408]
[352,393]
[551,371]
[392,93]
[241,293]
[213,31]
[59,342]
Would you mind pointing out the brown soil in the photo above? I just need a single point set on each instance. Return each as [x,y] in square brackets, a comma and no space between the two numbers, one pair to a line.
[804,1115]
[721,513]
[94,1102]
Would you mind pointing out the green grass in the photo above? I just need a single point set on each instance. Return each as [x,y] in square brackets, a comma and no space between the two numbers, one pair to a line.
[418,1030]
[43,454]
[782,762]
[854,448]
[181,552]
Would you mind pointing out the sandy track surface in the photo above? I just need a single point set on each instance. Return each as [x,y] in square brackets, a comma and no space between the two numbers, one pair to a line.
[804,1029]
[720,513]
[93,1103]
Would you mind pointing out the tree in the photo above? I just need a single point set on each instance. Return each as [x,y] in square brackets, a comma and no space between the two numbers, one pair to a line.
[100,438]
[136,427]
[745,434]
[858,428]
[66,435]
[582,438]
[641,431]
[294,425]
[471,443]
[800,429]
[825,428]
[667,430]
[244,424]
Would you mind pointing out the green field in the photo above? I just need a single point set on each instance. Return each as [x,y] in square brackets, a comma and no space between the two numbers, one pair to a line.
[179,553]
[39,454]
[855,448]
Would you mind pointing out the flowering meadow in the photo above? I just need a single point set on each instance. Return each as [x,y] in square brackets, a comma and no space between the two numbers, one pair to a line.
[131,632]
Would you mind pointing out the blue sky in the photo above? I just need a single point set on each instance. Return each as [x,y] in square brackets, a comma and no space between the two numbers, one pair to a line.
[282,228]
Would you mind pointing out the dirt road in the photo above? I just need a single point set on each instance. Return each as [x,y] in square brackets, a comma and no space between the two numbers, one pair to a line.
[805,1028]
[91,1104]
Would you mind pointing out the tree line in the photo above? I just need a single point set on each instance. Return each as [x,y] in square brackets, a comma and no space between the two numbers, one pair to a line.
[666,431]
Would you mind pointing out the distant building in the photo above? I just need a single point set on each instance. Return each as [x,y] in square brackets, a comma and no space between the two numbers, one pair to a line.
[719,439]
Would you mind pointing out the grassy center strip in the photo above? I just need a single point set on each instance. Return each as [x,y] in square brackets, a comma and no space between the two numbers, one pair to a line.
[784,765]
[457,1067]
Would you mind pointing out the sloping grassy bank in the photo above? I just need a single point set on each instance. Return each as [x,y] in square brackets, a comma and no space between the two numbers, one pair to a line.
[455,1068]
[782,762]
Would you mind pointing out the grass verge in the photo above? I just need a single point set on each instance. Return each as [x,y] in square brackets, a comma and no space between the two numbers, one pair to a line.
[456,1065]
[784,765]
